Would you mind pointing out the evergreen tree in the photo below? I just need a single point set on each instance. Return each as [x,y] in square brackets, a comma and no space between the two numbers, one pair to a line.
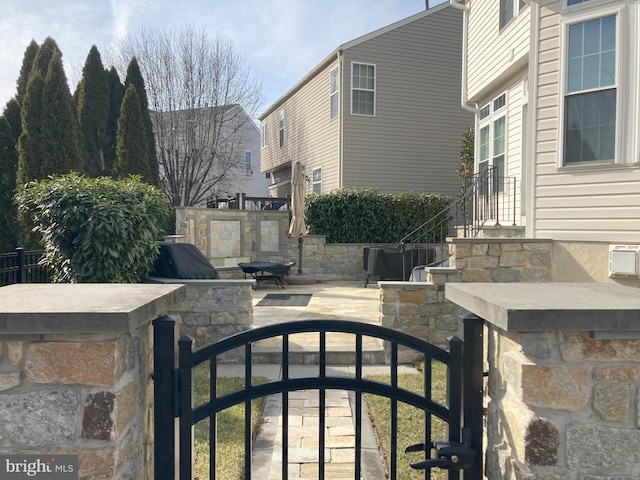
[61,152]
[134,76]
[45,54]
[92,97]
[12,115]
[130,151]
[27,64]
[30,150]
[8,167]
[116,94]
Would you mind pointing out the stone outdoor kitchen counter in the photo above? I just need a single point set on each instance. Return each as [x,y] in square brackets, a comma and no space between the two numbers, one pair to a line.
[83,307]
[538,307]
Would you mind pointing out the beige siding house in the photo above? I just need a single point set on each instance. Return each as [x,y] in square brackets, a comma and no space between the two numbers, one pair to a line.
[381,111]
[568,125]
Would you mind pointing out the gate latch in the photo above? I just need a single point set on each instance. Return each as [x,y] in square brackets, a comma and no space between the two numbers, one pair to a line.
[449,456]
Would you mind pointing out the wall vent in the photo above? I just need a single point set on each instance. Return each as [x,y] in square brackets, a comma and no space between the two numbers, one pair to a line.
[624,261]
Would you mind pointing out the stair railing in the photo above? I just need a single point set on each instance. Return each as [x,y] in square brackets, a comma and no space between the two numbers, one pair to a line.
[487,197]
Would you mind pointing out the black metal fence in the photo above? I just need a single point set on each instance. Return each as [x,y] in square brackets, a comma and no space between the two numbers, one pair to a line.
[23,267]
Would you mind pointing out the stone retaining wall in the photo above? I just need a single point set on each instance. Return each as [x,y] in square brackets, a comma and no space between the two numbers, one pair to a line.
[213,309]
[67,391]
[502,259]
[563,405]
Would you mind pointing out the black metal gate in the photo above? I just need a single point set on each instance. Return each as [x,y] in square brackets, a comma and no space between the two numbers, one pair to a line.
[459,454]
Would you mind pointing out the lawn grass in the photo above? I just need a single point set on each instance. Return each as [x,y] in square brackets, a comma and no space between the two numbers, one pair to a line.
[410,421]
[230,442]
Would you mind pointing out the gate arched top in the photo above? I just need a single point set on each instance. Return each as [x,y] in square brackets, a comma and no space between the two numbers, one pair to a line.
[337,326]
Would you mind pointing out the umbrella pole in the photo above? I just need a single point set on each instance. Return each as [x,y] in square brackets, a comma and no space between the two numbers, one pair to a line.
[300,240]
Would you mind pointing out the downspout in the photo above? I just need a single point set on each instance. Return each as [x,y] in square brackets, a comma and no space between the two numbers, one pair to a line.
[465,28]
[341,122]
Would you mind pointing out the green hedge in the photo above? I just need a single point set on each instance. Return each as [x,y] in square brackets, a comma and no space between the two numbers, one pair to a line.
[95,229]
[367,216]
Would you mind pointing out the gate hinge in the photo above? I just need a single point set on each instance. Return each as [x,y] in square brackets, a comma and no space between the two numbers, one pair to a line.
[176,392]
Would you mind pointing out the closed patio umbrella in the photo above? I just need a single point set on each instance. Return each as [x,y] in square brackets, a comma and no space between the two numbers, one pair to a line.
[297,227]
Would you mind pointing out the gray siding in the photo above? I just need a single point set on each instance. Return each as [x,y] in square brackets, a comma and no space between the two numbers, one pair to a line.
[413,141]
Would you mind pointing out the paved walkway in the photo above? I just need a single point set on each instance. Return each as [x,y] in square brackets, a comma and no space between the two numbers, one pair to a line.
[331,300]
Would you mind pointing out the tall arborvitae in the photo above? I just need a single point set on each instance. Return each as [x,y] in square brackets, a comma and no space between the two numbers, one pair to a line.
[27,64]
[92,99]
[130,151]
[61,152]
[8,166]
[44,56]
[134,76]
[12,115]
[116,94]
[30,151]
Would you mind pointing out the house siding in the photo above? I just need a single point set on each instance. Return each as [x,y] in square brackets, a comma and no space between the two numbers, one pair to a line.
[412,142]
[598,204]
[311,136]
[494,55]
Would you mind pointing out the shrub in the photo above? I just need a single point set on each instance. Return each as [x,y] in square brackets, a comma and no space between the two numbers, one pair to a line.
[367,216]
[95,229]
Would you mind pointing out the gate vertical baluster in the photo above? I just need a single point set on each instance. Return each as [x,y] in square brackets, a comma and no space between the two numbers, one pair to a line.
[358,439]
[428,421]
[393,464]
[247,413]
[322,404]
[454,394]
[163,408]
[473,392]
[285,408]
[213,420]
[185,365]
[20,271]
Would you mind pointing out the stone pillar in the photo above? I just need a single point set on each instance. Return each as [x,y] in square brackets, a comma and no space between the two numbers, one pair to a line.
[76,366]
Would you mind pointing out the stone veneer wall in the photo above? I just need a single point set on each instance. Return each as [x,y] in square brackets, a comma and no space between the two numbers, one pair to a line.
[213,309]
[420,309]
[502,259]
[227,237]
[562,406]
[84,394]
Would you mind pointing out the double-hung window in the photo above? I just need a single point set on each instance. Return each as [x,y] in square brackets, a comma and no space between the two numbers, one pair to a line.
[281,127]
[316,175]
[363,89]
[590,90]
[492,138]
[508,10]
[334,92]
[248,164]
[265,140]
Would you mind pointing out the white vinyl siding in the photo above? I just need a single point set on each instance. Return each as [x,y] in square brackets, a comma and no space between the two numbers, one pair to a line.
[589,202]
[494,53]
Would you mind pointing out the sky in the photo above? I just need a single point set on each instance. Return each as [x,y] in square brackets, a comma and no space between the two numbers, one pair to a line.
[280,40]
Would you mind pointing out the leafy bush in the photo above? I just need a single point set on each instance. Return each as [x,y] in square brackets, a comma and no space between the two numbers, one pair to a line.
[95,229]
[367,216]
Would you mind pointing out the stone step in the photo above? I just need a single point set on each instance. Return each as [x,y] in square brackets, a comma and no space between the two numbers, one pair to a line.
[304,350]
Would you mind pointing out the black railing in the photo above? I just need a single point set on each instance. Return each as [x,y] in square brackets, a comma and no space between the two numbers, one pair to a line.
[487,198]
[244,202]
[22,267]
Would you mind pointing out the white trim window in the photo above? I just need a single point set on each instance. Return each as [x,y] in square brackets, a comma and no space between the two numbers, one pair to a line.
[265,140]
[509,10]
[363,89]
[334,92]
[281,127]
[248,163]
[590,93]
[492,137]
[316,180]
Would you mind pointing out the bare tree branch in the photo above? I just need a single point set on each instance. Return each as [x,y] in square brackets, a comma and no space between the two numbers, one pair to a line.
[201,94]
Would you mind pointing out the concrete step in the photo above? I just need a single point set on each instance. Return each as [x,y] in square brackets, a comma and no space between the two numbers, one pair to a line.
[304,350]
